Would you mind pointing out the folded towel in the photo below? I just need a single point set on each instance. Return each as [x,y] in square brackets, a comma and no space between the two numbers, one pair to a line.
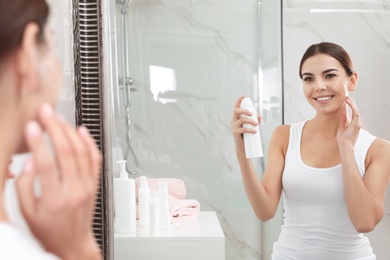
[183,210]
[176,187]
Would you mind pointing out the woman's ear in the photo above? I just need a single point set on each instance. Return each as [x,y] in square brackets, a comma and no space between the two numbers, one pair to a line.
[353,81]
[27,57]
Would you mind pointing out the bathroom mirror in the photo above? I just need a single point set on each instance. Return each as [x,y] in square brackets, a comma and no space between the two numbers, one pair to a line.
[166,99]
[363,29]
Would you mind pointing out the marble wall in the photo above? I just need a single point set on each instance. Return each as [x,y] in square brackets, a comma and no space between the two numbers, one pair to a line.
[190,61]
[363,29]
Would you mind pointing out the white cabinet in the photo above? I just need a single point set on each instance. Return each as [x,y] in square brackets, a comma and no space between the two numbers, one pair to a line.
[202,239]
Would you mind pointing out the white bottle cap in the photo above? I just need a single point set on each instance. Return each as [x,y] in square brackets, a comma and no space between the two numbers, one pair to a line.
[163,185]
[122,169]
[246,102]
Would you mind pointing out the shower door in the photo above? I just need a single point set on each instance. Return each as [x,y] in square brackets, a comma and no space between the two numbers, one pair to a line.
[187,62]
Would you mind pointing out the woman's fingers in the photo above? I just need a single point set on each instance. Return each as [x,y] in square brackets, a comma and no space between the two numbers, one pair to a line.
[63,145]
[43,160]
[25,190]
[355,111]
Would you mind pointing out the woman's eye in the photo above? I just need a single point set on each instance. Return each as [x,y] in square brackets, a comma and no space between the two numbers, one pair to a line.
[329,76]
[307,79]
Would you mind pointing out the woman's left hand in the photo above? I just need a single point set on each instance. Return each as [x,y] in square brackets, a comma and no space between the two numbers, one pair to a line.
[348,131]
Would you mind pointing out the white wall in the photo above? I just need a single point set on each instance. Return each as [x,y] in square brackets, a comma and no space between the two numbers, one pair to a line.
[363,29]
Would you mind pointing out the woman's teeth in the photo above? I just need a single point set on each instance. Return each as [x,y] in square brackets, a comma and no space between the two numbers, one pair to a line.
[323,98]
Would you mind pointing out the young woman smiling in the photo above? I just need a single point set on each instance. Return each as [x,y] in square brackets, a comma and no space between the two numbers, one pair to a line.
[332,173]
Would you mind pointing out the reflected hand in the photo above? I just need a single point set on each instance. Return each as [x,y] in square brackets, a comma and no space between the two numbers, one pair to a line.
[61,216]
[348,131]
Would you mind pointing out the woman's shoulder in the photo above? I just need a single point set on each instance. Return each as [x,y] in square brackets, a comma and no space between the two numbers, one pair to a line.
[379,150]
[282,130]
[380,146]
[280,137]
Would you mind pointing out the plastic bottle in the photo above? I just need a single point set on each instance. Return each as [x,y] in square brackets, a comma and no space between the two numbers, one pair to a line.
[154,214]
[143,199]
[124,198]
[252,142]
[165,216]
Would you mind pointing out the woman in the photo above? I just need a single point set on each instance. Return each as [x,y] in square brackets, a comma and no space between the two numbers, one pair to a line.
[30,76]
[332,173]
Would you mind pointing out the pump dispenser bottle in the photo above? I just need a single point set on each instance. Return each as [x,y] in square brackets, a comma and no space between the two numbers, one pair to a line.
[143,199]
[252,142]
[124,198]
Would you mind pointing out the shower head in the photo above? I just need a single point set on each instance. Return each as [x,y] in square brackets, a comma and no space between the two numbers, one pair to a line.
[125,4]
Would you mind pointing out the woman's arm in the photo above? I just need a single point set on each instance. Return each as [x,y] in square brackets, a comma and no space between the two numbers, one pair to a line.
[364,196]
[263,195]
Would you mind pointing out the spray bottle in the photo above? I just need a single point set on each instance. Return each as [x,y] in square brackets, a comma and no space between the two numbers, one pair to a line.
[252,142]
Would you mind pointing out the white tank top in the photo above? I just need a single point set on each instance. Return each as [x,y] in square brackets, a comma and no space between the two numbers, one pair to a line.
[316,221]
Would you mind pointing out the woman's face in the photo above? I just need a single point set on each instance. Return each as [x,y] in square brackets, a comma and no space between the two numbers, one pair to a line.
[48,75]
[326,83]
[49,70]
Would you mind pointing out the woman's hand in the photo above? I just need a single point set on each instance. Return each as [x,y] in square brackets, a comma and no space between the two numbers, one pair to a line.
[60,217]
[348,131]
[237,122]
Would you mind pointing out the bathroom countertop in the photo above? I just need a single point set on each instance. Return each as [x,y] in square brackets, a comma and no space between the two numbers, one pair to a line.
[206,227]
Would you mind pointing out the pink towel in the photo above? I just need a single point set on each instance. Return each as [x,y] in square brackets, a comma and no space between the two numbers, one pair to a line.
[183,210]
[176,187]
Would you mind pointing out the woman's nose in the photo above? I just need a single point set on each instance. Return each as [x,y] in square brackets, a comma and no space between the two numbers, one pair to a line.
[320,85]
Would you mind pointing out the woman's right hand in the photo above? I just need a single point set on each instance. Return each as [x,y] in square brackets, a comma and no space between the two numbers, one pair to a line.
[60,217]
[237,122]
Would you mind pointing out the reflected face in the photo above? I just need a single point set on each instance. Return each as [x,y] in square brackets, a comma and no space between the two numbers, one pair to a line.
[326,83]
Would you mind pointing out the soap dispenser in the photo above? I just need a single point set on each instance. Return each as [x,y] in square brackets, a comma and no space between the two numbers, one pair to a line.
[124,199]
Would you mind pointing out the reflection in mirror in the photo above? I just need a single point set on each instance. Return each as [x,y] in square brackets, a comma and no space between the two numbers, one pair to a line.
[361,27]
[188,61]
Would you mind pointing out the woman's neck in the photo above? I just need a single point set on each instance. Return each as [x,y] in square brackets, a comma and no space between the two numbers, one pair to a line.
[327,124]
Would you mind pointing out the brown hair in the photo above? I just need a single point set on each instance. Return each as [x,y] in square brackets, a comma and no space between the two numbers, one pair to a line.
[14,16]
[332,49]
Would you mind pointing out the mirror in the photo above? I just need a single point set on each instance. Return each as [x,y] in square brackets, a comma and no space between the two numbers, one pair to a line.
[172,89]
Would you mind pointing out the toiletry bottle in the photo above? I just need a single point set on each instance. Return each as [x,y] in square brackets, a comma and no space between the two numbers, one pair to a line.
[165,216]
[143,199]
[154,214]
[124,198]
[252,142]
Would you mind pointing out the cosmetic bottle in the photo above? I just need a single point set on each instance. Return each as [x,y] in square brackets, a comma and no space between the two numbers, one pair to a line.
[165,216]
[124,198]
[252,142]
[143,206]
[154,214]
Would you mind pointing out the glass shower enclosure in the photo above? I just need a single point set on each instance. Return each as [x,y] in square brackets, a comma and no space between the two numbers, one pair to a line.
[177,69]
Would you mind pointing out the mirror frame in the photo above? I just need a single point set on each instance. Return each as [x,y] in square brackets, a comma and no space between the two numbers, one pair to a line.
[89,106]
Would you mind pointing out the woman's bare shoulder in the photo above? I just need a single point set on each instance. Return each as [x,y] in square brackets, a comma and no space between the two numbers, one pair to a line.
[282,131]
[280,137]
[380,146]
